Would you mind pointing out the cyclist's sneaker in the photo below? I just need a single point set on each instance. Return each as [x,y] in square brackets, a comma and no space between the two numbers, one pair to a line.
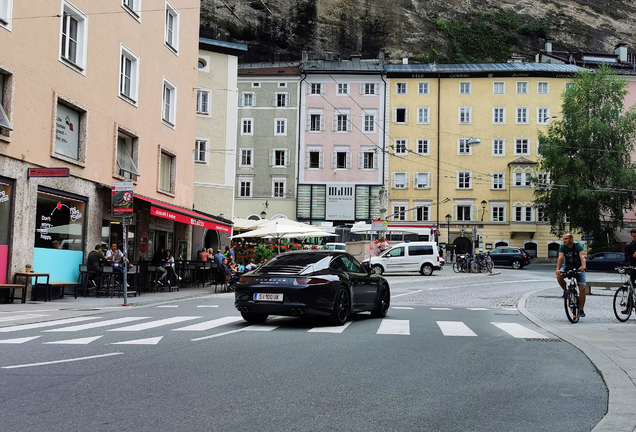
[581,314]
[563,296]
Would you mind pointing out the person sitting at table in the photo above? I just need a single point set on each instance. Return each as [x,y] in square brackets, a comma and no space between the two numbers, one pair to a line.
[93,264]
[251,266]
[169,266]
[203,255]
[231,276]
[218,258]
[210,254]
[229,253]
[157,261]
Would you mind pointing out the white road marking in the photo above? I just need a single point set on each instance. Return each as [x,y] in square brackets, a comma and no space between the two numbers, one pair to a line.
[455,328]
[18,340]
[154,324]
[168,306]
[441,309]
[217,335]
[96,324]
[19,317]
[264,327]
[81,341]
[148,341]
[45,324]
[207,325]
[394,327]
[208,306]
[60,361]
[402,307]
[477,309]
[330,329]
[403,294]
[519,331]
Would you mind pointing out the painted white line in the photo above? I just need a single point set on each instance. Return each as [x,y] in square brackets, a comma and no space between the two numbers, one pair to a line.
[402,307]
[519,331]
[96,324]
[207,325]
[45,324]
[216,335]
[441,309]
[61,361]
[477,309]
[264,327]
[20,317]
[334,329]
[208,306]
[154,324]
[394,327]
[168,306]
[148,341]
[408,293]
[18,340]
[81,341]
[455,328]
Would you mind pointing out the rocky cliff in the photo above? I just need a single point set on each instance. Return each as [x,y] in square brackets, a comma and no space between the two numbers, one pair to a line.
[424,30]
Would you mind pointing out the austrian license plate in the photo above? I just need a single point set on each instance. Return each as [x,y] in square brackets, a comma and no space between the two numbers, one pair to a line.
[268,297]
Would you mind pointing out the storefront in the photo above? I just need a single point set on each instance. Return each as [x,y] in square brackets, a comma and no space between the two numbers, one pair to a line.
[6,203]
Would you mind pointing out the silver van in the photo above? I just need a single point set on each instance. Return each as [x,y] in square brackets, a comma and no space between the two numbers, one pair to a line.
[420,257]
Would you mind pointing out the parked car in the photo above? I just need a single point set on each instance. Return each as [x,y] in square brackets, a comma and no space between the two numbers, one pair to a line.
[317,282]
[335,246]
[420,257]
[515,257]
[604,261]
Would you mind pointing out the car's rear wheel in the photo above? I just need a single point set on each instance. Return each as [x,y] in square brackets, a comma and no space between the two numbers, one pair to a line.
[254,318]
[516,264]
[384,301]
[377,269]
[426,270]
[341,307]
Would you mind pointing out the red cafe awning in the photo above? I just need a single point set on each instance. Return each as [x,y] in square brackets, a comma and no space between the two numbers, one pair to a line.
[168,211]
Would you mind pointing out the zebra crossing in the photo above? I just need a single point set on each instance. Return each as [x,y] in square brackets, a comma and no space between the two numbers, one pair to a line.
[233,324]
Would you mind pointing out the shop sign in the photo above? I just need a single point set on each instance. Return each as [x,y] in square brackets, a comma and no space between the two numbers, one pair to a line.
[67,132]
[47,172]
[161,224]
[182,218]
[340,203]
[122,199]
[380,225]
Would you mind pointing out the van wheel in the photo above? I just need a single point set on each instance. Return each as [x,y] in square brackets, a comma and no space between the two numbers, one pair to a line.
[426,270]
[377,269]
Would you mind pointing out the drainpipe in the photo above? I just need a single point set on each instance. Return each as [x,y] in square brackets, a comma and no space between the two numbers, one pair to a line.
[384,167]
[303,76]
[438,138]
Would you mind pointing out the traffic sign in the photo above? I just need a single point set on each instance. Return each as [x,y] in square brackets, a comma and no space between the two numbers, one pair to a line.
[122,199]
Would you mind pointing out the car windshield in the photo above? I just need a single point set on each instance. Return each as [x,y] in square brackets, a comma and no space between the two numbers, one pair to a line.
[296,262]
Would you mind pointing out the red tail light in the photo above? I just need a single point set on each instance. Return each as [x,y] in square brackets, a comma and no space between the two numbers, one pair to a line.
[310,281]
[437,258]
[243,280]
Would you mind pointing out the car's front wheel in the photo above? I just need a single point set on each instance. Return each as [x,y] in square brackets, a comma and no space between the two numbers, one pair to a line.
[377,269]
[384,301]
[516,264]
[254,317]
[341,307]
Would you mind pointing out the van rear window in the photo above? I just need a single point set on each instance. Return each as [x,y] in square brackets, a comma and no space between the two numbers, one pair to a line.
[420,250]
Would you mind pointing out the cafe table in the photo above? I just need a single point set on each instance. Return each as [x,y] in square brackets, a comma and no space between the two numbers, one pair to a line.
[34,278]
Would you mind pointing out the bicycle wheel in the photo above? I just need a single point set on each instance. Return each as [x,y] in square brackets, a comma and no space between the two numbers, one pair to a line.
[571,303]
[622,304]
[456,267]
[474,267]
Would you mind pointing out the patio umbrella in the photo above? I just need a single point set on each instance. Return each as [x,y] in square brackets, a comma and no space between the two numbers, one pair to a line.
[279,230]
[243,224]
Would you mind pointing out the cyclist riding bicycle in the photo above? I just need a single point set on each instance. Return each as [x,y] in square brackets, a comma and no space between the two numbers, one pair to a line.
[572,257]
[630,253]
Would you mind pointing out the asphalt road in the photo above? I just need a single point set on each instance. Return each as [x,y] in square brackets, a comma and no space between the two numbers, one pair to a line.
[198,367]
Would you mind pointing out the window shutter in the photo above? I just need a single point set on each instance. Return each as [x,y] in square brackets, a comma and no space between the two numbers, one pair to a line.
[375,160]
[455,211]
[272,155]
[394,115]
[406,116]
[406,180]
[393,180]
[322,122]
[308,124]
[361,160]
[362,88]
[416,178]
[348,122]
[241,100]
[348,160]
[335,122]
[307,155]
[322,88]
[274,100]
[320,160]
[334,160]
[286,157]
[375,88]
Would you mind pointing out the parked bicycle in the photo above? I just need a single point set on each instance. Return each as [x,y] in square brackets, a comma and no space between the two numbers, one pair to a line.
[481,264]
[461,265]
[625,296]
[571,296]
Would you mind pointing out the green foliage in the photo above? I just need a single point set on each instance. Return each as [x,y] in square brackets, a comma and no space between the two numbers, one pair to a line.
[264,252]
[431,56]
[534,29]
[441,24]
[588,157]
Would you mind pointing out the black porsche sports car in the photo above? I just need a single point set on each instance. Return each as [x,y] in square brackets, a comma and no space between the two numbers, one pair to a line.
[329,283]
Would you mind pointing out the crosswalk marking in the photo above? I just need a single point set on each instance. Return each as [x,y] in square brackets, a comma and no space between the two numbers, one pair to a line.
[394,327]
[81,341]
[519,331]
[207,325]
[217,335]
[154,324]
[61,361]
[455,328]
[334,329]
[20,317]
[18,340]
[441,309]
[263,327]
[148,341]
[168,306]
[212,306]
[45,324]
[477,309]
[96,324]
[402,307]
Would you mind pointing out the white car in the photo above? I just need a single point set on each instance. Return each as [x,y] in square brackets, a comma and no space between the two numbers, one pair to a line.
[335,246]
[420,257]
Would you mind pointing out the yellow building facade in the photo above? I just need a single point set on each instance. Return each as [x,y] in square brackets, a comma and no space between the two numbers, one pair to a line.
[462,147]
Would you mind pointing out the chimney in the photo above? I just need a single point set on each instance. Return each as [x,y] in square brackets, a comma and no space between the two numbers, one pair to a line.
[381,56]
[304,57]
[405,60]
[621,52]
[356,57]
[548,45]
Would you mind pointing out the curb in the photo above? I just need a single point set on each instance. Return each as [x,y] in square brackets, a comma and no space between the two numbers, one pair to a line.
[620,414]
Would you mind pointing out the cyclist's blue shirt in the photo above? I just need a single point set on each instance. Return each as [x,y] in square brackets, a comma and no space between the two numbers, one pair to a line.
[572,258]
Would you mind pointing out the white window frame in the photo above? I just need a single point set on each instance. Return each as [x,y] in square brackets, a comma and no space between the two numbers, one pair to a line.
[522,179]
[423,115]
[282,84]
[316,86]
[524,211]
[494,115]
[314,149]
[250,153]
[464,87]
[131,140]
[543,181]
[395,184]
[401,88]
[469,206]
[248,181]
[279,180]
[399,211]
[198,143]
[498,181]
[321,120]
[462,144]
[368,121]
[464,180]
[170,10]
[172,120]
[173,172]
[423,142]
[518,141]
[494,206]
[406,115]
[256,84]
[464,115]
[416,180]
[247,126]
[201,110]
[522,87]
[276,129]
[541,217]
[518,111]
[286,99]
[495,142]
[543,121]
[6,14]
[272,158]
[127,54]
[69,11]
[503,87]
[334,161]
[135,10]
[420,207]
[341,122]
[400,146]
[547,87]
[423,87]
[83,130]
[342,89]
[364,155]
[369,89]
[252,99]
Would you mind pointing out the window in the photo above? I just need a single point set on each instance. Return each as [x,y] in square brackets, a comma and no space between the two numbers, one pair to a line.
[256,85]
[464,115]
[400,180]
[543,180]
[400,88]
[369,123]
[70,132]
[369,89]
[498,147]
[127,155]
[498,181]
[281,99]
[421,214]
[422,146]
[279,158]
[497,214]
[422,88]
[341,123]
[6,14]
[246,126]
[201,151]
[542,87]
[246,158]
[499,115]
[464,180]
[203,102]
[172,28]
[202,64]
[133,7]
[280,127]
[73,43]
[315,123]
[245,187]
[569,86]
[343,89]
[543,116]
[248,99]
[463,148]
[169,111]
[422,180]
[523,214]
[522,115]
[65,218]
[523,179]
[498,87]
[314,159]
[522,146]
[400,115]
[464,88]
[341,159]
[399,214]
[541,216]
[400,146]
[367,160]
[278,188]
[463,213]
[315,89]
[422,115]
[6,103]
[522,87]
[166,172]
[282,85]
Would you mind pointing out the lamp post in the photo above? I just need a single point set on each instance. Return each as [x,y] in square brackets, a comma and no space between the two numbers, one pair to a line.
[448,221]
[483,208]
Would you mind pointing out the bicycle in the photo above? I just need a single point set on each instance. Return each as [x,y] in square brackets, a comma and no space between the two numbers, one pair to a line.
[461,265]
[481,264]
[625,296]
[571,297]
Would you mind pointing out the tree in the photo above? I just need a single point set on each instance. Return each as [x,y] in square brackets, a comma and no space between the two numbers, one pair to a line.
[588,157]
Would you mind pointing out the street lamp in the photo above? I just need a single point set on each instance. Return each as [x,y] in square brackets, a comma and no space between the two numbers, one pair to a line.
[448,221]
[483,207]
[263,214]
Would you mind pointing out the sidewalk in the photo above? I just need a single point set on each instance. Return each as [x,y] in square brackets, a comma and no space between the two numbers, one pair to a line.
[609,344]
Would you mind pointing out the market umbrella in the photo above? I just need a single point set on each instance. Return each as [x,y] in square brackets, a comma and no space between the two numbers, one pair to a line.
[279,230]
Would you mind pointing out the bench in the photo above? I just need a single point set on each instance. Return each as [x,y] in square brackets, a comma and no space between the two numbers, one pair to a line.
[608,285]
[12,288]
[49,289]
